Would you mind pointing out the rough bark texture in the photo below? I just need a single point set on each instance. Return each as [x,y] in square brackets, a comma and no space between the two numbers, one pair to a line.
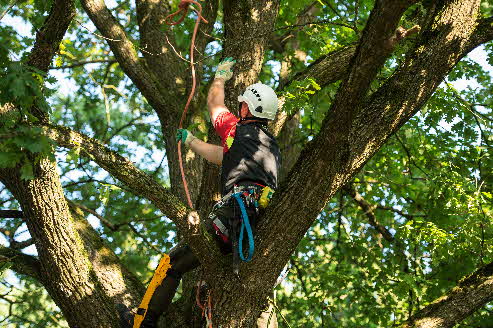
[85,278]
[471,293]
[80,287]
[67,272]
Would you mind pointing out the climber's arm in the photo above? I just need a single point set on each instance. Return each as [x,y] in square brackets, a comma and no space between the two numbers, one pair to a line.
[210,152]
[215,99]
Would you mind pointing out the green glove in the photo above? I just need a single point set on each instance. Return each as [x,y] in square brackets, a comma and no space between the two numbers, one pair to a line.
[185,136]
[224,69]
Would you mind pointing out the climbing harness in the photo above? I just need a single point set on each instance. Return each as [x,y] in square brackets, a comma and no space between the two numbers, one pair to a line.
[157,279]
[183,9]
[233,231]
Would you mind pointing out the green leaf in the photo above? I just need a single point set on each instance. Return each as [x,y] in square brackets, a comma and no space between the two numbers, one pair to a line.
[73,155]
[27,171]
[9,159]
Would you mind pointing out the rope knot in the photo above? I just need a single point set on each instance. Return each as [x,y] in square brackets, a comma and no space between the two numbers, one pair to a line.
[184,5]
[183,9]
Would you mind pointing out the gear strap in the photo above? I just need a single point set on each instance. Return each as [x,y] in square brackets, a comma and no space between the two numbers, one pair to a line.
[245,225]
[157,279]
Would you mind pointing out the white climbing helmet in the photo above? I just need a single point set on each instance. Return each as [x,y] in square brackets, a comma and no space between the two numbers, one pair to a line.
[261,100]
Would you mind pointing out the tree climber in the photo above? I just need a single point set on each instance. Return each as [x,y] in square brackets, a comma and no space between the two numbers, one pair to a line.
[250,161]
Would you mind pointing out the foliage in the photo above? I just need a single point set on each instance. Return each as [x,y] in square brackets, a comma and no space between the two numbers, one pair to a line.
[430,186]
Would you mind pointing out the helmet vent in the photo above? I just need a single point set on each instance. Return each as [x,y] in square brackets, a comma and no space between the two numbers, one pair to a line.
[259,109]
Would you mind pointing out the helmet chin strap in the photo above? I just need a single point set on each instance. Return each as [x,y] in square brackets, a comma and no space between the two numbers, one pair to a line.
[254,119]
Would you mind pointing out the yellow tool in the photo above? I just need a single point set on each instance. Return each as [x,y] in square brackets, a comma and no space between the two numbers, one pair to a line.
[265,197]
[156,280]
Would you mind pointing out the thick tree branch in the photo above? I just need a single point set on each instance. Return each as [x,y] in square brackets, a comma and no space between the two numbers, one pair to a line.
[21,263]
[483,33]
[332,67]
[186,220]
[51,34]
[156,46]
[347,141]
[246,37]
[126,54]
[377,43]
[326,70]
[472,293]
[12,214]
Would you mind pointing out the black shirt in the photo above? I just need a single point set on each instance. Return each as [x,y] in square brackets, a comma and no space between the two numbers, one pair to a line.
[254,157]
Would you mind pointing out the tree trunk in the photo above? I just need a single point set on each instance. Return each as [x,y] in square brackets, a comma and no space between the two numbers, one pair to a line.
[85,278]
[68,274]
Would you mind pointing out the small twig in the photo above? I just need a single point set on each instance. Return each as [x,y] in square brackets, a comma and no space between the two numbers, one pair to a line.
[299,274]
[154,174]
[328,4]
[82,63]
[356,14]
[319,22]
[105,222]
[130,123]
[143,238]
[279,311]
[409,156]
[96,34]
[76,183]
[12,4]
[401,213]
[175,51]
[9,135]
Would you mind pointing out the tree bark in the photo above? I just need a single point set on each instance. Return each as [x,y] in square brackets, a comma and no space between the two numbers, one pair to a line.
[85,278]
[447,311]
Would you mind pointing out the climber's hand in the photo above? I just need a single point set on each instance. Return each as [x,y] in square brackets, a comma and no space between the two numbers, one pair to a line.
[224,69]
[185,136]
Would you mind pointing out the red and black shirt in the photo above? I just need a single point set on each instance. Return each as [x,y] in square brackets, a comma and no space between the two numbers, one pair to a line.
[251,154]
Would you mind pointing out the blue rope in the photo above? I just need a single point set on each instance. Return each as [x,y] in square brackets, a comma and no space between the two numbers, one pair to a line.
[245,224]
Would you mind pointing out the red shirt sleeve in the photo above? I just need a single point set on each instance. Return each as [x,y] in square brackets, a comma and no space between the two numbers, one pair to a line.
[225,125]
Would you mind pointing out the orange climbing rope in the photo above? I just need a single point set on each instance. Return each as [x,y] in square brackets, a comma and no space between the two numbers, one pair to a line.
[207,307]
[183,9]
